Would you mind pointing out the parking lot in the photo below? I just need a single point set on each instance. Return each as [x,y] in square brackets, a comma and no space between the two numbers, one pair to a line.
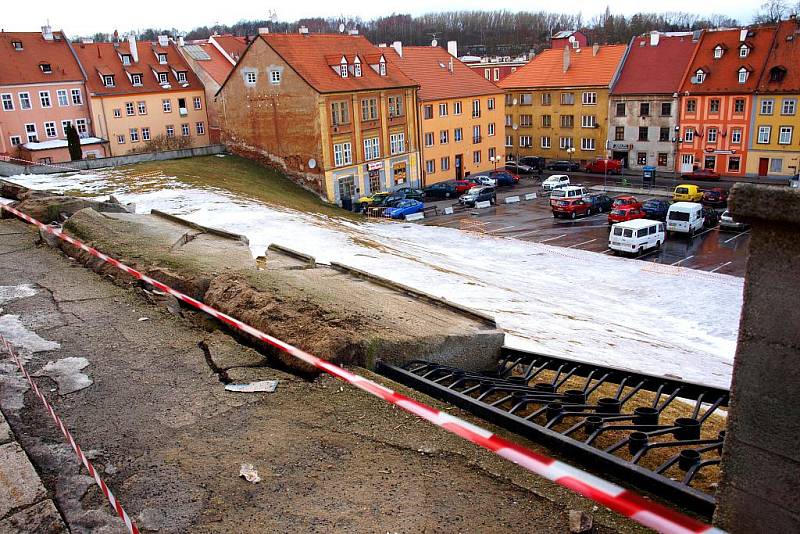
[712,250]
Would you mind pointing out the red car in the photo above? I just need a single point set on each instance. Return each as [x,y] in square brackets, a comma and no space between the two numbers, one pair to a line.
[626,201]
[462,186]
[701,174]
[571,207]
[625,214]
[716,197]
[609,166]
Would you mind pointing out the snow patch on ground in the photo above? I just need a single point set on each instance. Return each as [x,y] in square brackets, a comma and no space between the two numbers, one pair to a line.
[10,293]
[67,374]
[18,335]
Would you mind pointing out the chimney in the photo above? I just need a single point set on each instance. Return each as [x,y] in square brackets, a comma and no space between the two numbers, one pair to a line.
[743,35]
[566,58]
[47,33]
[163,41]
[595,49]
[452,48]
[654,38]
[398,47]
[352,32]
[303,30]
[133,47]
[263,31]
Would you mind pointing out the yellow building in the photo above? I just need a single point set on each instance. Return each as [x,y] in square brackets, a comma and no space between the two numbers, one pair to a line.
[460,112]
[557,104]
[143,96]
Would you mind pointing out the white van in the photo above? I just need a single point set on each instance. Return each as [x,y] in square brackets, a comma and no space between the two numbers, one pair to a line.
[685,217]
[636,236]
[556,180]
[570,191]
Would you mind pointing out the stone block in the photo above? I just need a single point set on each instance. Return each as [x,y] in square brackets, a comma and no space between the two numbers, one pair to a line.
[5,430]
[42,517]
[735,514]
[19,483]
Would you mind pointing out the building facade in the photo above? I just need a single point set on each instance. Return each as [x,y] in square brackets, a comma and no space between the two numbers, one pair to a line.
[643,108]
[332,111]
[143,97]
[557,105]
[716,104]
[42,90]
[461,115]
[774,147]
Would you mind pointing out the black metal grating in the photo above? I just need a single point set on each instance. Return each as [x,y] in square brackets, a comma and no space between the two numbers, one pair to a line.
[661,434]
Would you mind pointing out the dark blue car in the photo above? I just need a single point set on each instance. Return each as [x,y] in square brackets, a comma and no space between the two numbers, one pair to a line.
[656,209]
[403,208]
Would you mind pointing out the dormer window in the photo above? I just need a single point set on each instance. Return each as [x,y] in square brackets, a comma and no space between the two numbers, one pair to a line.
[181,76]
[382,67]
[46,68]
[126,59]
[108,80]
[744,50]
[357,68]
[163,78]
[743,75]
[162,59]
[136,79]
[17,45]
[776,74]
[718,51]
[343,68]
[699,76]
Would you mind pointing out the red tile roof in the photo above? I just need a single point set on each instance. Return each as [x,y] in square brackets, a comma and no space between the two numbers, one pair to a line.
[19,67]
[785,54]
[217,66]
[655,69]
[722,75]
[307,54]
[585,69]
[233,45]
[429,66]
[103,58]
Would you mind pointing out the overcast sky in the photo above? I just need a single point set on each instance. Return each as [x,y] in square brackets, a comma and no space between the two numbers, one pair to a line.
[86,17]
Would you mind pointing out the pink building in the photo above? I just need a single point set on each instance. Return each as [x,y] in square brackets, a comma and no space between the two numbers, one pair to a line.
[42,89]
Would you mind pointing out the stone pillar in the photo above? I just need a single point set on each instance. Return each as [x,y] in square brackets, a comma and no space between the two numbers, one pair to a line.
[760,486]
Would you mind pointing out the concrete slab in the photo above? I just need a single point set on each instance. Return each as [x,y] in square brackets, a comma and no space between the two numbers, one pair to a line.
[5,430]
[19,483]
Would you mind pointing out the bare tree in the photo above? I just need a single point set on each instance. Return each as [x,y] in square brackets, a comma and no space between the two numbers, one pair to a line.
[771,12]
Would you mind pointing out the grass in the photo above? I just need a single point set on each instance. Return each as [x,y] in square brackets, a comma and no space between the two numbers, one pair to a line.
[241,176]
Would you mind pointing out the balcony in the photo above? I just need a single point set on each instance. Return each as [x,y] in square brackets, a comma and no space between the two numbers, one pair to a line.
[183,112]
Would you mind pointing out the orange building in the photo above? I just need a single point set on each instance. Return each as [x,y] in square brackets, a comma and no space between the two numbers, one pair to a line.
[717,99]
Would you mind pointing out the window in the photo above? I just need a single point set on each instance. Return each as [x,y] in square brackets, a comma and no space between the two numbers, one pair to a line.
[547,121]
[738,105]
[129,109]
[589,98]
[666,109]
[744,50]
[743,75]
[162,59]
[357,70]
[587,144]
[145,134]
[170,130]
[545,141]
[567,98]
[371,148]
[644,109]
[547,99]
[108,81]
[713,105]
[764,134]
[30,131]
[181,76]
[509,120]
[82,125]
[620,109]
[64,125]
[17,45]
[476,134]
[200,128]
[8,102]
[24,101]
[691,106]
[775,165]
[50,129]
[444,163]
[163,78]
[250,77]
[134,135]
[126,59]
[525,121]
[736,136]
[588,121]
[117,113]
[699,76]
[662,159]
[711,137]
[430,166]
[476,157]
[619,133]
[397,143]
[490,103]
[443,110]
[487,73]
[396,106]
[427,112]
[369,109]
[641,158]
[63,99]
[788,106]
[567,121]
[44,99]
[121,139]
[733,163]
[785,135]
[428,139]
[382,68]
[525,99]
[342,154]
[166,105]
[509,140]
[15,140]
[142,105]
[688,136]
[458,134]
[663,134]
[767,106]
[565,143]
[340,113]
[490,129]
[525,141]
[185,130]
[198,102]
[492,153]
[444,137]
[496,74]
[457,108]
[136,79]
[46,68]
[77,97]
[718,51]
[275,76]
[476,108]
[776,74]
[643,133]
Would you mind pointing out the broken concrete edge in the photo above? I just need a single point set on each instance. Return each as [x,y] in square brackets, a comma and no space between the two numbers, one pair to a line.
[427,297]
[207,229]
[776,204]
[310,260]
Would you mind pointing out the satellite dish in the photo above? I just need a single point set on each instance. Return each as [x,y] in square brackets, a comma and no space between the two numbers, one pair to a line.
[341,30]
[515,127]
[434,43]
[312,163]
[571,39]
[514,101]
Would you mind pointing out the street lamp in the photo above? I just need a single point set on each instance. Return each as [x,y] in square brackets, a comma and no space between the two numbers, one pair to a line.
[495,159]
[515,127]
[570,151]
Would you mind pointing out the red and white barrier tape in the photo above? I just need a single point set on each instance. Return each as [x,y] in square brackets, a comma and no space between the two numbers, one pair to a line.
[28,162]
[610,495]
[75,447]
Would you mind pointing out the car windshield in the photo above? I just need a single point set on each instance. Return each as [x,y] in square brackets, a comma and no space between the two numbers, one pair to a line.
[682,190]
[618,212]
[558,193]
[617,231]
[678,216]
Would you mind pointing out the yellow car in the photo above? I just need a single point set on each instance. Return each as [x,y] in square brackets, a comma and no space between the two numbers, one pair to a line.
[371,200]
[687,193]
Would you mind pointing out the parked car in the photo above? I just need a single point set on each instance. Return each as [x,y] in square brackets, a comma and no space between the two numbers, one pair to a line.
[462,186]
[479,193]
[519,168]
[626,201]
[534,162]
[600,202]
[375,199]
[605,166]
[404,207]
[701,174]
[571,207]
[564,165]
[441,190]
[726,222]
[636,236]
[685,217]
[482,179]
[409,192]
[716,197]
[569,191]
[554,181]
[504,177]
[656,209]
[626,213]
[710,217]
[687,193]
